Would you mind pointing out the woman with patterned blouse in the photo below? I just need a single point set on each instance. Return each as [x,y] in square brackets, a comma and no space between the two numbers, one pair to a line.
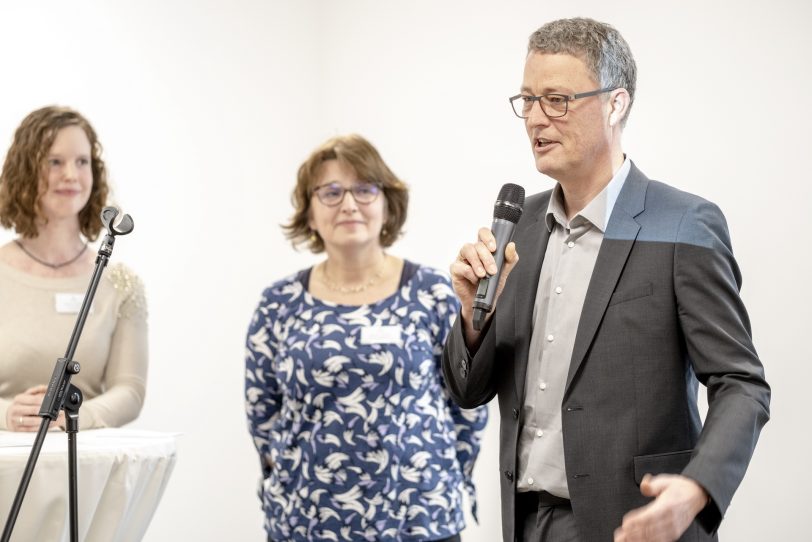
[357,437]
[53,187]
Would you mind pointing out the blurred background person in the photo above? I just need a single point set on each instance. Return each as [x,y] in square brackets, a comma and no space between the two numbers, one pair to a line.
[357,436]
[53,187]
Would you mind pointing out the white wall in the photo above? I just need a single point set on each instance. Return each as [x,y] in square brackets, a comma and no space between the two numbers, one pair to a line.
[207,108]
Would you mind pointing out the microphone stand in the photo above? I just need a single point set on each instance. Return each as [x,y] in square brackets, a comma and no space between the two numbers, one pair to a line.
[61,394]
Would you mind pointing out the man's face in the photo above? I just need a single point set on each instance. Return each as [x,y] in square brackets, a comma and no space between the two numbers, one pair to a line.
[577,145]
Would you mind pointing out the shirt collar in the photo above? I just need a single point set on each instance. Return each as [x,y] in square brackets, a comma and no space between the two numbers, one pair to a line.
[597,211]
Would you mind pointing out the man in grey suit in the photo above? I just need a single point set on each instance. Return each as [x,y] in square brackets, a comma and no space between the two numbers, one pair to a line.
[625,297]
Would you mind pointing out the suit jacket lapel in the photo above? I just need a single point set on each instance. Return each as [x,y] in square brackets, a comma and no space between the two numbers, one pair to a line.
[621,231]
[532,244]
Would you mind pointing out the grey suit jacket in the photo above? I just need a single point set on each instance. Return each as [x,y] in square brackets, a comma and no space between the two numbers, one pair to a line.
[662,311]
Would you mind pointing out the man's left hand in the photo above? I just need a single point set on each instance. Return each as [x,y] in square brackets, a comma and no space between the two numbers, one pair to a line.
[677,501]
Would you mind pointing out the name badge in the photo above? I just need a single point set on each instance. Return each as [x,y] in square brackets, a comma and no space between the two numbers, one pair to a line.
[68,303]
[381,335]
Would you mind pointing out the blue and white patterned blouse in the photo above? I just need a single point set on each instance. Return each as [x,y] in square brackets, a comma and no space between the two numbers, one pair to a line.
[357,437]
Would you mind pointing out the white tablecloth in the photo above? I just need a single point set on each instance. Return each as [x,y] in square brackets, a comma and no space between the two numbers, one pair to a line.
[122,474]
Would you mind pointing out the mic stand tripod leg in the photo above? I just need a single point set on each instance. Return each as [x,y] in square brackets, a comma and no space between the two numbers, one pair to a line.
[26,479]
[73,400]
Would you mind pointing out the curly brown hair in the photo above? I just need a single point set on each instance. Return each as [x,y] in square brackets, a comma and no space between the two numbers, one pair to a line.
[23,171]
[355,151]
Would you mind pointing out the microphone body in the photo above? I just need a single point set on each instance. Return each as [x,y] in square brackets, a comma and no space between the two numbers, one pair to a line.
[506,213]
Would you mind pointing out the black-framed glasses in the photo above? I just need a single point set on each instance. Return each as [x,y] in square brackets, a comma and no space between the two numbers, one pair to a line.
[332,194]
[553,105]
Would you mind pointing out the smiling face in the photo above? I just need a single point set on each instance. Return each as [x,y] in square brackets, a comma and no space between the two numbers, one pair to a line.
[67,178]
[578,145]
[348,225]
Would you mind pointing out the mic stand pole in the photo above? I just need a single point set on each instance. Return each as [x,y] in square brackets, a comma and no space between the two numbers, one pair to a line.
[61,394]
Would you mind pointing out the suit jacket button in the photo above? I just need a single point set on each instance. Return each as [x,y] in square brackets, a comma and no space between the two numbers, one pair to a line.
[463,368]
[509,475]
[515,413]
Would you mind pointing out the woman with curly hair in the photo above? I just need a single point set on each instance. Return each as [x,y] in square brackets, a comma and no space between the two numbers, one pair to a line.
[53,187]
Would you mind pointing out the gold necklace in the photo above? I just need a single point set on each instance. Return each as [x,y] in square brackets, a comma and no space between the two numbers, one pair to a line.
[352,289]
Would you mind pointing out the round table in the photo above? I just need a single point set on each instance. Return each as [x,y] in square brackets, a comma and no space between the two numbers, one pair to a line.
[122,474]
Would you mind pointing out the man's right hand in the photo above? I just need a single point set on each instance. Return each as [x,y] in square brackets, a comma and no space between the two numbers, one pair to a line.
[474,262]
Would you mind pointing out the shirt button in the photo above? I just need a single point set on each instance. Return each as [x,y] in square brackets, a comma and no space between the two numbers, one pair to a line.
[543,386]
[530,481]
[539,433]
[558,289]
[550,338]
[571,244]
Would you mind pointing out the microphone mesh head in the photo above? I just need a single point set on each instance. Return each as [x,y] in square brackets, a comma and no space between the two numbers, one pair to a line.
[509,203]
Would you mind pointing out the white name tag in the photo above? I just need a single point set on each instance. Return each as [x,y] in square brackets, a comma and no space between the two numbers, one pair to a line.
[68,303]
[381,335]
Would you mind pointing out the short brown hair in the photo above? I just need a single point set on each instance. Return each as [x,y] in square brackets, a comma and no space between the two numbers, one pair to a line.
[23,170]
[355,151]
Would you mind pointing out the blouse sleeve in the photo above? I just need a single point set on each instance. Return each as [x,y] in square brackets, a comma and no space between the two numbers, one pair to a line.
[125,373]
[262,396]
[468,423]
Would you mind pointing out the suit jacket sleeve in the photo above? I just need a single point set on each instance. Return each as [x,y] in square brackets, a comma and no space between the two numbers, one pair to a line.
[718,343]
[470,378]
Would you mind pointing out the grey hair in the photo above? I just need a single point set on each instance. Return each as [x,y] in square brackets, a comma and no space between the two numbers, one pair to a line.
[599,45]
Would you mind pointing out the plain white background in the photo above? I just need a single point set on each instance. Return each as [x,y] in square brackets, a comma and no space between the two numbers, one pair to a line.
[206,109]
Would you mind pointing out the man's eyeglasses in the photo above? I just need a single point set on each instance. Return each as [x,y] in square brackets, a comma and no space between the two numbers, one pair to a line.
[553,105]
[332,194]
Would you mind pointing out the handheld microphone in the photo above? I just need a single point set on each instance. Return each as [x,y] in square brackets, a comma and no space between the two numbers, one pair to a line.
[506,213]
